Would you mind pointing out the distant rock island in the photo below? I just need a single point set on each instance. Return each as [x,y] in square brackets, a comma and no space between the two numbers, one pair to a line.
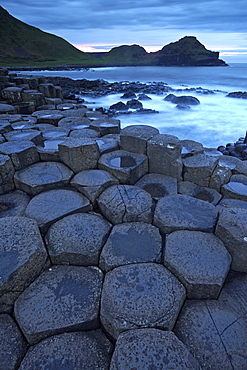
[27,46]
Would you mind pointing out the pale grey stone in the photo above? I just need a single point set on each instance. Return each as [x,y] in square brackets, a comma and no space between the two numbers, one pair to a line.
[134,138]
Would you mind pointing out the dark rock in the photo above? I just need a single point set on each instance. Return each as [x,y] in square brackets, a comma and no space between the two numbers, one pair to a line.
[179,212]
[63,298]
[158,185]
[134,104]
[199,260]
[184,99]
[183,107]
[144,97]
[236,188]
[138,296]
[13,204]
[199,192]
[131,242]
[126,203]
[199,168]
[77,239]
[22,153]
[77,350]
[134,138]
[106,126]
[238,94]
[128,95]
[6,174]
[74,123]
[12,344]
[119,106]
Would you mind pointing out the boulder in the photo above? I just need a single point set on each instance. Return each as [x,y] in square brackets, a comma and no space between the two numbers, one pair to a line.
[184,99]
[120,106]
[134,104]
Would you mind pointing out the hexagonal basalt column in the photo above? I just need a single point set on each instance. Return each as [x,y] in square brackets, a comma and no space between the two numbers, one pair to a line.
[199,260]
[232,230]
[22,153]
[49,206]
[158,185]
[74,123]
[131,242]
[179,212]
[199,168]
[78,350]
[127,167]
[13,204]
[236,188]
[164,153]
[126,203]
[91,183]
[21,135]
[106,125]
[12,93]
[79,154]
[134,138]
[190,147]
[12,344]
[23,257]
[6,174]
[151,349]
[199,192]
[50,118]
[63,298]
[220,176]
[77,239]
[207,327]
[42,176]
[138,296]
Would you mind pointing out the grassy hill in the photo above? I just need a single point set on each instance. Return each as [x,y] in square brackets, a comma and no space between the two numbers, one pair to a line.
[22,44]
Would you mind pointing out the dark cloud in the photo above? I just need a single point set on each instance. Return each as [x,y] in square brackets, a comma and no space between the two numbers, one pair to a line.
[203,15]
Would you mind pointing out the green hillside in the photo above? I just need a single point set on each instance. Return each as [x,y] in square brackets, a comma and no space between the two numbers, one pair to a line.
[22,44]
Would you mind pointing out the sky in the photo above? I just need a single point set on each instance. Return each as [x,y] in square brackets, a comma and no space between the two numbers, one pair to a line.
[99,25]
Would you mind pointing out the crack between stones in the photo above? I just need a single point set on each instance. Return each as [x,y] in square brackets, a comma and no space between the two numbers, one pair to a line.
[219,335]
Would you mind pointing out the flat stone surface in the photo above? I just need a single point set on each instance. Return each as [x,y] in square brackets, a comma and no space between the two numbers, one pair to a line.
[126,203]
[70,351]
[91,183]
[158,185]
[49,206]
[84,132]
[22,153]
[106,125]
[134,138]
[6,108]
[13,204]
[127,167]
[199,260]
[178,212]
[22,257]
[20,135]
[140,295]
[108,144]
[199,192]
[12,344]
[199,168]
[191,147]
[63,298]
[151,349]
[79,154]
[55,133]
[77,239]
[42,176]
[73,123]
[236,188]
[232,230]
[220,341]
[131,242]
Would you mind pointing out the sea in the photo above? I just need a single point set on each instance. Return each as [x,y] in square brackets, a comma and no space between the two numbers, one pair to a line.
[218,120]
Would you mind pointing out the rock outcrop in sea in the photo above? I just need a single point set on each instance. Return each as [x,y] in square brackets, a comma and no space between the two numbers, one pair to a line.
[119,248]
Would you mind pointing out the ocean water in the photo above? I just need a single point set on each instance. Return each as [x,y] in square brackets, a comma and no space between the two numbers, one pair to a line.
[218,120]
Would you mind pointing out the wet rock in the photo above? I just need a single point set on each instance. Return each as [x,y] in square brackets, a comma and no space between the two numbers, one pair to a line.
[236,188]
[77,239]
[33,96]
[199,260]
[13,204]
[126,203]
[12,344]
[106,126]
[232,230]
[55,133]
[191,147]
[179,212]
[51,118]
[22,153]
[78,112]
[107,144]
[5,126]
[119,106]
[158,185]
[77,350]
[48,90]
[151,349]
[127,167]
[79,154]
[199,192]
[163,153]
[42,176]
[6,108]
[91,183]
[144,97]
[231,203]
[131,242]
[199,168]
[63,298]
[138,296]
[128,95]
[134,138]
[49,151]
[226,330]
[84,132]
[220,176]
[7,172]
[23,257]
[50,206]
[184,99]
[183,107]
[134,104]
[74,123]
[21,135]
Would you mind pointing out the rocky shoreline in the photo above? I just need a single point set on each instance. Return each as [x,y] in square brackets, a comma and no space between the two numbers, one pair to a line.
[120,248]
